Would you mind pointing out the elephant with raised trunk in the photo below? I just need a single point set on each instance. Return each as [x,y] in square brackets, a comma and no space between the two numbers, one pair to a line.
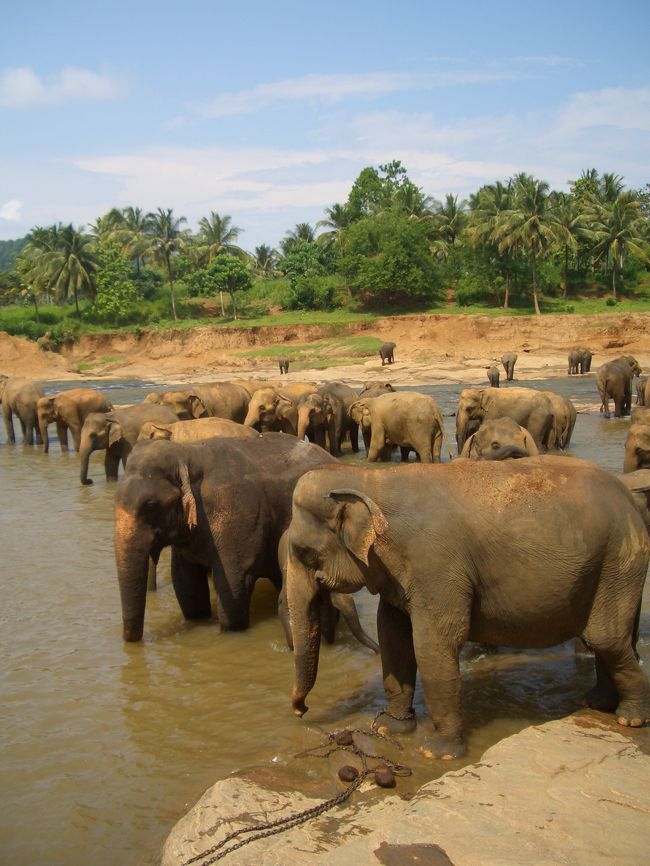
[614,379]
[529,408]
[117,432]
[520,553]
[222,505]
[19,397]
[68,410]
[500,439]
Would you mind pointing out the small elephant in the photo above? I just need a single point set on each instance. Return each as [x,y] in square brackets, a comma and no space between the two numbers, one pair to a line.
[564,420]
[500,439]
[469,551]
[19,397]
[284,366]
[68,410]
[530,408]
[276,409]
[196,429]
[493,376]
[637,448]
[642,391]
[579,361]
[386,352]
[407,419]
[509,359]
[117,432]
[332,604]
[374,389]
[614,379]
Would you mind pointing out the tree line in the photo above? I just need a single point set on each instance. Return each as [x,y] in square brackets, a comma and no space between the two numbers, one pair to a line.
[389,245]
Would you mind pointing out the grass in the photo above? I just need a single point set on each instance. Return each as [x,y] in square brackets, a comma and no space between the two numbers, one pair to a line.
[85,366]
[319,354]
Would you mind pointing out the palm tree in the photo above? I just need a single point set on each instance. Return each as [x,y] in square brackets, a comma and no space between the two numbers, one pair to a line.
[411,200]
[166,239]
[570,227]
[265,259]
[303,233]
[617,229]
[449,217]
[528,225]
[217,235]
[486,209]
[71,264]
[133,234]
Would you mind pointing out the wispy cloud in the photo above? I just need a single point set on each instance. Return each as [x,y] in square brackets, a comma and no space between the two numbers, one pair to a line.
[625,108]
[10,210]
[22,88]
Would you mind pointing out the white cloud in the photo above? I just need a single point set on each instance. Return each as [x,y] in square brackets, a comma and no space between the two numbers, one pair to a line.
[10,210]
[21,87]
[625,108]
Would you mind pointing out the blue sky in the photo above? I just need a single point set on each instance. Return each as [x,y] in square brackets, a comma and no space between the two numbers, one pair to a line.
[268,111]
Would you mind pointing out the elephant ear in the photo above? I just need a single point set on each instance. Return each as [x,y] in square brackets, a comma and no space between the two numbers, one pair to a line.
[362,522]
[197,406]
[467,447]
[531,447]
[115,433]
[189,502]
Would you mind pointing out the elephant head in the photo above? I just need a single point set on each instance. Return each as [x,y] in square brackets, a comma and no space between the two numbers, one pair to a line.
[154,507]
[500,439]
[46,413]
[185,405]
[637,448]
[312,409]
[270,410]
[469,416]
[101,430]
[151,430]
[360,413]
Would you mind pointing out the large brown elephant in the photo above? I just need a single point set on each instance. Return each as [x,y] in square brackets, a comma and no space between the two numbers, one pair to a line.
[222,505]
[68,410]
[117,432]
[500,439]
[564,420]
[410,420]
[637,448]
[519,553]
[614,379]
[323,417]
[529,408]
[19,397]
[197,428]
[276,409]
[216,400]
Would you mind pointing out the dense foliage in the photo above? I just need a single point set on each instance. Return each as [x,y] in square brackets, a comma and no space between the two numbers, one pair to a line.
[389,246]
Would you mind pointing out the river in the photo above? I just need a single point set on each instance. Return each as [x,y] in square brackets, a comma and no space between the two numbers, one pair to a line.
[105,744]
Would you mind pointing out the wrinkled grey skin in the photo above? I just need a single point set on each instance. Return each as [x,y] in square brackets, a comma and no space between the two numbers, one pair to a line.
[68,410]
[564,420]
[467,551]
[218,400]
[386,352]
[642,391]
[529,408]
[117,432]
[637,448]
[323,417]
[500,439]
[493,376]
[509,359]
[274,409]
[222,504]
[614,379]
[332,604]
[407,419]
[284,366]
[19,397]
[197,428]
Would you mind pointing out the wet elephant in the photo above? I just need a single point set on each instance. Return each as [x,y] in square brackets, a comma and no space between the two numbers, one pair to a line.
[222,505]
[500,439]
[217,400]
[509,359]
[529,408]
[19,397]
[614,379]
[564,420]
[642,388]
[323,417]
[68,410]
[197,428]
[493,376]
[425,539]
[117,432]
[579,361]
[637,448]
[276,409]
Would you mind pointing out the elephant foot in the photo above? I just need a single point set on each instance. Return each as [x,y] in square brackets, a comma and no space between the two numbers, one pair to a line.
[86,481]
[395,724]
[444,748]
[601,697]
[633,714]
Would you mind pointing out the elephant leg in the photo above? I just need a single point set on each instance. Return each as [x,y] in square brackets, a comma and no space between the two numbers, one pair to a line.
[399,668]
[404,452]
[366,438]
[233,584]
[75,432]
[377,441]
[436,449]
[27,436]
[354,437]
[9,425]
[190,582]
[111,464]
[62,433]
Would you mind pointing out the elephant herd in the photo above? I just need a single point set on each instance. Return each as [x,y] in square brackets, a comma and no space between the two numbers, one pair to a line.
[242,480]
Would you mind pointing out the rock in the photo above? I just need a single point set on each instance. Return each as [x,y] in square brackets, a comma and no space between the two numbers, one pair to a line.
[574,791]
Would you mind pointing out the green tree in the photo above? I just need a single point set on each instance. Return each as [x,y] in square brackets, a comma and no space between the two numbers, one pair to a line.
[116,294]
[225,273]
[217,235]
[449,218]
[303,233]
[70,266]
[486,208]
[570,227]
[166,240]
[266,260]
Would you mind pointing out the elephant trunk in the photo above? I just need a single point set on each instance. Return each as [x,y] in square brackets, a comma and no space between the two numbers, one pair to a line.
[132,547]
[304,416]
[304,610]
[42,426]
[631,462]
[252,417]
[85,451]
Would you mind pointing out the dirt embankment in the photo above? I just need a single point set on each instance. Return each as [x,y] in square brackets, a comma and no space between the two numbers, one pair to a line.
[429,347]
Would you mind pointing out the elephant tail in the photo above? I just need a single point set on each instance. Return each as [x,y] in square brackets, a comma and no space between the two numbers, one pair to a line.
[441,423]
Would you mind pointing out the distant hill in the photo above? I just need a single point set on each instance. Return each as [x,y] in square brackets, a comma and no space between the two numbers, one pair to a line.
[8,252]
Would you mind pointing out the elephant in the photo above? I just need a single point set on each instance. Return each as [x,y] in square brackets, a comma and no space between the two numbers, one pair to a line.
[637,448]
[222,505]
[640,415]
[566,556]
[69,410]
[509,359]
[332,604]
[117,432]
[374,389]
[216,400]
[410,420]
[638,483]
[564,420]
[284,366]
[386,352]
[614,379]
[323,415]
[529,408]
[642,391]
[499,440]
[276,410]
[19,397]
[197,428]
[585,360]
[579,361]
[493,376]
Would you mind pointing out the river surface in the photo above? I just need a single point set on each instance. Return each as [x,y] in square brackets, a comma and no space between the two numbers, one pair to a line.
[106,744]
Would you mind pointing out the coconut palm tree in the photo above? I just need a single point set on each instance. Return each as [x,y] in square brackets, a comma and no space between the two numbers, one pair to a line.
[71,265]
[486,209]
[217,235]
[570,228]
[266,259]
[449,218]
[166,239]
[303,233]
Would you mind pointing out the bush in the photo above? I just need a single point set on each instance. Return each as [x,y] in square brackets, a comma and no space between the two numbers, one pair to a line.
[310,293]
[472,289]
[611,301]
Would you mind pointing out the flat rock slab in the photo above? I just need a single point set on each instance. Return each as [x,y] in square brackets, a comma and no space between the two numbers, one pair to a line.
[574,792]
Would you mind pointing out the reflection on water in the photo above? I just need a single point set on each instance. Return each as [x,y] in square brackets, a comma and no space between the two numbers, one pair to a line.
[106,744]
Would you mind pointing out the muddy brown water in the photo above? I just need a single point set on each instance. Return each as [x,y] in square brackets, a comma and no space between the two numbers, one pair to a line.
[105,744]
